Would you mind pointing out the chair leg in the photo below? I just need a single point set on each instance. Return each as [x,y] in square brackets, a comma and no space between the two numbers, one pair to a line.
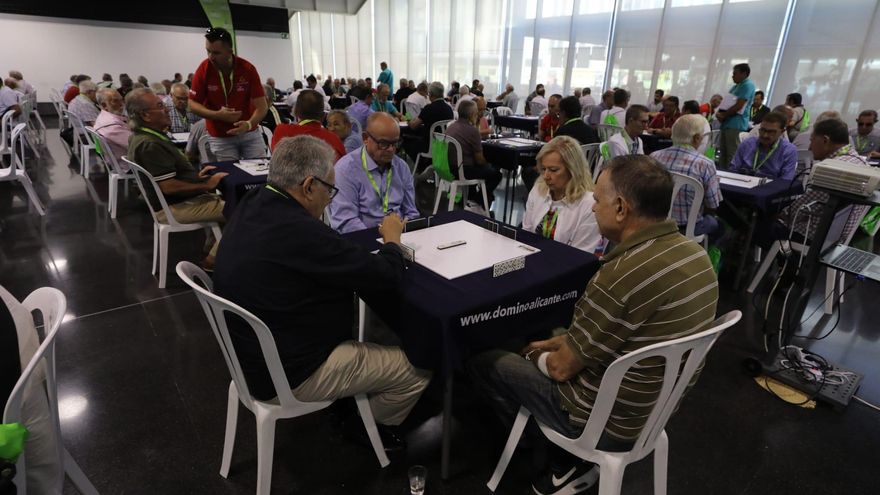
[611,476]
[363,405]
[438,190]
[830,286]
[218,234]
[265,451]
[231,422]
[453,190]
[32,195]
[76,475]
[163,257]
[661,460]
[485,195]
[113,184]
[362,315]
[765,266]
[84,164]
[515,433]
[155,247]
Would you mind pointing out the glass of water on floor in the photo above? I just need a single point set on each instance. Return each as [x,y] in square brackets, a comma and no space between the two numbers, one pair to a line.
[417,475]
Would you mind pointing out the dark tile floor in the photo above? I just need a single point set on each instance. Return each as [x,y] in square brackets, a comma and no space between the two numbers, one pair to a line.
[143,384]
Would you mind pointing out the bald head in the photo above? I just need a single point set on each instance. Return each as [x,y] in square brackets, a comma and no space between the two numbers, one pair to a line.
[381,137]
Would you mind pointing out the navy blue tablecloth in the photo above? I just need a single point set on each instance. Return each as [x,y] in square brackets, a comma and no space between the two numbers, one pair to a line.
[440,322]
[508,157]
[517,122]
[769,198]
[234,186]
[653,143]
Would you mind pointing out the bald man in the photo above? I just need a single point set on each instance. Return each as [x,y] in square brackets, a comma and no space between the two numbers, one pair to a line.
[372,180]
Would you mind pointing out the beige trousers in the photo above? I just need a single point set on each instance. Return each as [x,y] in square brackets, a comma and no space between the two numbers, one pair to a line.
[384,373]
[202,208]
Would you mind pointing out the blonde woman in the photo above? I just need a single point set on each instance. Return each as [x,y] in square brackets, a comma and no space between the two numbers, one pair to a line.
[560,205]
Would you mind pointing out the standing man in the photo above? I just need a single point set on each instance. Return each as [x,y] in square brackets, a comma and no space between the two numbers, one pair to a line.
[733,119]
[181,118]
[227,92]
[373,181]
[386,76]
[865,138]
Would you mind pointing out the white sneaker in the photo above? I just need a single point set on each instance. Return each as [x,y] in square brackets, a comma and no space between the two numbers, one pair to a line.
[477,208]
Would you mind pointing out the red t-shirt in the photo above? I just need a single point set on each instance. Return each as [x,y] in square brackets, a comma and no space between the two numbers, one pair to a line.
[311,129]
[207,90]
[549,124]
[71,93]
[661,122]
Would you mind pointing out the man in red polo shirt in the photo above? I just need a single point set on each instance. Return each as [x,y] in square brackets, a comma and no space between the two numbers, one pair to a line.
[226,91]
[309,111]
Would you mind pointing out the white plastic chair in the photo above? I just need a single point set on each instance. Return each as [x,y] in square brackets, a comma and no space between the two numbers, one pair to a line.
[685,354]
[267,136]
[16,171]
[52,305]
[452,186]
[266,412]
[678,182]
[413,109]
[833,278]
[606,131]
[115,172]
[32,135]
[6,127]
[205,153]
[503,111]
[537,107]
[82,142]
[145,182]
[439,126]
[805,164]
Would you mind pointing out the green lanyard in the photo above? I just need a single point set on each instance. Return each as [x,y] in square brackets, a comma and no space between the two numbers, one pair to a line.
[844,150]
[163,137]
[231,82]
[570,120]
[306,121]
[276,191]
[752,113]
[549,223]
[860,145]
[631,145]
[376,186]
[755,164]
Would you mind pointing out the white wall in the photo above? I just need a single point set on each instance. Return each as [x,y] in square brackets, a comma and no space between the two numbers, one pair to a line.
[48,50]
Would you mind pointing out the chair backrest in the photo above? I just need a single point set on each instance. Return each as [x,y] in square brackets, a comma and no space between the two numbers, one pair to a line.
[503,111]
[205,153]
[411,108]
[604,154]
[104,152]
[267,137]
[440,126]
[537,107]
[682,356]
[6,132]
[441,145]
[513,103]
[52,305]
[693,191]
[16,148]
[606,131]
[216,308]
[591,153]
[355,125]
[586,111]
[147,185]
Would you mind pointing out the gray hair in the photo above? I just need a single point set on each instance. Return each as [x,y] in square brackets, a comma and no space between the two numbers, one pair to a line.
[435,90]
[464,89]
[341,113]
[135,106]
[295,159]
[158,88]
[179,85]
[86,86]
[102,95]
[270,93]
[467,109]
[827,115]
[686,127]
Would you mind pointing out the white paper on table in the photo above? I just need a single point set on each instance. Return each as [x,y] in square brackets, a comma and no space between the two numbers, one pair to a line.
[403,124]
[482,248]
[180,137]
[254,167]
[519,142]
[740,180]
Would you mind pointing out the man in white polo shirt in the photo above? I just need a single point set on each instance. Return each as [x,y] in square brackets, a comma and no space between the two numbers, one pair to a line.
[615,115]
[628,141]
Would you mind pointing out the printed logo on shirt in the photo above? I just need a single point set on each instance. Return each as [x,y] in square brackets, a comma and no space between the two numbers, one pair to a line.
[242,88]
[213,87]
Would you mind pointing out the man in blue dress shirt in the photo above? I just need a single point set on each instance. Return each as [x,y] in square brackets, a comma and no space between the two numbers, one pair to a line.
[767,155]
[372,180]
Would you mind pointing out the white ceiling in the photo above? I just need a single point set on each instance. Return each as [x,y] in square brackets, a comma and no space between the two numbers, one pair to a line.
[350,7]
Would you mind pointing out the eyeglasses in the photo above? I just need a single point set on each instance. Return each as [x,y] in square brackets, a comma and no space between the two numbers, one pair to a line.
[384,144]
[218,34]
[333,190]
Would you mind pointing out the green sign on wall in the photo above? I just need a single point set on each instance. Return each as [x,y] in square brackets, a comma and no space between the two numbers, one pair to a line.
[219,15]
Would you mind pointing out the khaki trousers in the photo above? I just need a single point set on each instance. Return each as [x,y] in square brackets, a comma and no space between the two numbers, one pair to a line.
[201,208]
[384,373]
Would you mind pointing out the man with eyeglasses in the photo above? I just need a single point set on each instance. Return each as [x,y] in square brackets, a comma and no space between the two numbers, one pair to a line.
[767,155]
[309,111]
[283,264]
[866,139]
[628,141]
[181,118]
[373,181]
[189,193]
[227,91]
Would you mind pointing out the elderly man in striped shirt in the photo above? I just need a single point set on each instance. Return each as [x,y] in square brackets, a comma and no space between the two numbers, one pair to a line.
[655,285]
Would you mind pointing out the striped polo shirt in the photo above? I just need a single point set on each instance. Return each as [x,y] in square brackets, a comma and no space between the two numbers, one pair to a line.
[656,286]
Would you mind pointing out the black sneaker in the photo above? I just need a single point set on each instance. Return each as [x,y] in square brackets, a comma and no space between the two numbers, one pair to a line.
[579,478]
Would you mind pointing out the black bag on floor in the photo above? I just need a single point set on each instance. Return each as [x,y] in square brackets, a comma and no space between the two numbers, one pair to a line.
[67,136]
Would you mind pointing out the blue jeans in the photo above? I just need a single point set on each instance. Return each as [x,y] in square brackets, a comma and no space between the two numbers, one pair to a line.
[710,226]
[243,146]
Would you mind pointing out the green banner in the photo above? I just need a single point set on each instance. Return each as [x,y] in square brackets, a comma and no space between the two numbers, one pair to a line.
[219,15]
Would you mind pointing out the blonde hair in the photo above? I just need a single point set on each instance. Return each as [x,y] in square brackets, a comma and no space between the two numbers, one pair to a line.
[575,162]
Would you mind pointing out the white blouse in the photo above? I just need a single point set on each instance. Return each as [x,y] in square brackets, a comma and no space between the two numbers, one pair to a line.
[576,224]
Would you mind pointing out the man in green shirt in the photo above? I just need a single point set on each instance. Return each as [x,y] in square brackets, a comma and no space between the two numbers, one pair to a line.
[188,192]
[654,286]
[733,118]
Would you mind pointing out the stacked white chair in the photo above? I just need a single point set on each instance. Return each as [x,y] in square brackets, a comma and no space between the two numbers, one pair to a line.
[115,172]
[16,169]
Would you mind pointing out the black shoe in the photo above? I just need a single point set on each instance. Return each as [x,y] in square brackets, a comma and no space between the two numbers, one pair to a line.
[579,478]
[355,431]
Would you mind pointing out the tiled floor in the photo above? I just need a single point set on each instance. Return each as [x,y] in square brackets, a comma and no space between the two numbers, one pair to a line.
[143,384]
